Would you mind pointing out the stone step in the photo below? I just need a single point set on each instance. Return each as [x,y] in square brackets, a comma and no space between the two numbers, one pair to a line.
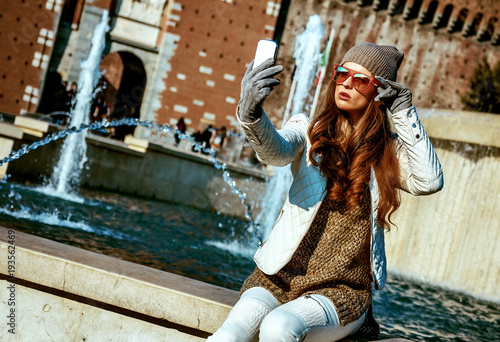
[106,297]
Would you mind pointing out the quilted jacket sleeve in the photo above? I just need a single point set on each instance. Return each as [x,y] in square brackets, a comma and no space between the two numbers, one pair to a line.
[421,172]
[277,147]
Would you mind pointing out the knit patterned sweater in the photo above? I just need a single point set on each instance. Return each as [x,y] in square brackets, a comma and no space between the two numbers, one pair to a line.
[332,260]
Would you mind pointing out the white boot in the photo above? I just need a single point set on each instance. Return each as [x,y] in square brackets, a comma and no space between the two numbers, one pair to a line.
[243,322]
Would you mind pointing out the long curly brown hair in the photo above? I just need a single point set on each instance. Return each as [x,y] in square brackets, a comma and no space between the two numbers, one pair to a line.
[348,153]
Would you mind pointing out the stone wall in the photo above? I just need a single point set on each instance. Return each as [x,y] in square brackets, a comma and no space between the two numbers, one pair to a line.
[451,238]
[171,175]
[27,36]
[215,41]
[439,56]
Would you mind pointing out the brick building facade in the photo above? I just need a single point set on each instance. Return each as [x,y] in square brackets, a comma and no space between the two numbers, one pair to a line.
[27,37]
[186,58]
[216,39]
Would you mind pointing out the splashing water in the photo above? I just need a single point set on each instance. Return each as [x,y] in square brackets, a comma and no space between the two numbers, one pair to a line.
[254,226]
[73,153]
[51,218]
[307,57]
[234,247]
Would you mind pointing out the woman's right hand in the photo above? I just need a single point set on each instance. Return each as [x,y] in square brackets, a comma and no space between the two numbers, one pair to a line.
[255,86]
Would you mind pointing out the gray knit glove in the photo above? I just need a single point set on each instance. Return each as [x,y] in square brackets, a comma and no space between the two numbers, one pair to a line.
[255,86]
[395,96]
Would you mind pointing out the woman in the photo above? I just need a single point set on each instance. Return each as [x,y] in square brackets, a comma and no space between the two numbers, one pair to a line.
[314,271]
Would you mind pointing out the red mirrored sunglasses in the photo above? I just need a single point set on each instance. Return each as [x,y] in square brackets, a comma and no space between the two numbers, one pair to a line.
[360,81]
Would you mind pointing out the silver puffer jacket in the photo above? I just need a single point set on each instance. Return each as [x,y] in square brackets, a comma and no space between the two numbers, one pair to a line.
[421,174]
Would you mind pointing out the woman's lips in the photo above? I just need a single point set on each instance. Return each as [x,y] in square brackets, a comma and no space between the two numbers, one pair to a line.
[344,96]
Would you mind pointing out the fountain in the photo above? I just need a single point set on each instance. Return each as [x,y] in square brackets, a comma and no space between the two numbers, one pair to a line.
[73,153]
[307,57]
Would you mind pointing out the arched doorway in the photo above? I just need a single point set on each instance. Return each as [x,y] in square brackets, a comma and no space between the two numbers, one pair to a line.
[122,87]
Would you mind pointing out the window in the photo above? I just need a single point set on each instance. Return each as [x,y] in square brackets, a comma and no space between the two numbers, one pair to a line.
[397,7]
[445,18]
[180,109]
[206,70]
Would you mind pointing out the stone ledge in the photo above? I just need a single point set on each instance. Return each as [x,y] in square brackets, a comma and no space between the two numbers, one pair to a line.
[136,144]
[32,126]
[11,131]
[112,144]
[45,317]
[468,127]
[135,32]
[161,295]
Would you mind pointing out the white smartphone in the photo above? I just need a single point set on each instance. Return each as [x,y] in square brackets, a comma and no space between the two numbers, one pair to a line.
[266,49]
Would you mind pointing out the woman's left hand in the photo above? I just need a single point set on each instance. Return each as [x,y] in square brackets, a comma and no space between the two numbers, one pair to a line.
[395,96]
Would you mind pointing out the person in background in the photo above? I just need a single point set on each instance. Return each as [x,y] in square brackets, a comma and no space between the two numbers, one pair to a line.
[122,111]
[219,138]
[181,127]
[72,94]
[99,109]
[204,137]
[315,271]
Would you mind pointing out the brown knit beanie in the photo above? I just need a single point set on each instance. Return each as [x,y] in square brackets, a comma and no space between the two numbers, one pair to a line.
[380,60]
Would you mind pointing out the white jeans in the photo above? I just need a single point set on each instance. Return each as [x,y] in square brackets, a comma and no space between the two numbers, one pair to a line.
[311,318]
